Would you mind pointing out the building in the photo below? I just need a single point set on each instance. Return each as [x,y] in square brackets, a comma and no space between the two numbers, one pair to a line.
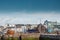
[33,26]
[1,28]
[51,25]
[8,27]
[41,28]
[21,28]
[57,28]
[28,26]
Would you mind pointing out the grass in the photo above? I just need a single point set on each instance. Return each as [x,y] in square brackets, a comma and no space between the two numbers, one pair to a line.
[30,39]
[10,38]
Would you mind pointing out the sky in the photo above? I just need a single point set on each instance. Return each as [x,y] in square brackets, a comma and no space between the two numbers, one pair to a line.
[29,11]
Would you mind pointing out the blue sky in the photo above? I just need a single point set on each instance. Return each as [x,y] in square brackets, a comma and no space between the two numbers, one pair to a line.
[29,11]
[30,5]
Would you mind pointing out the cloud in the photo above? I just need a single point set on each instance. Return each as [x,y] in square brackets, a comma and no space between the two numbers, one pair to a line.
[29,18]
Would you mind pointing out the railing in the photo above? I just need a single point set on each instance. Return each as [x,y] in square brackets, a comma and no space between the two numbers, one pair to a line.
[49,37]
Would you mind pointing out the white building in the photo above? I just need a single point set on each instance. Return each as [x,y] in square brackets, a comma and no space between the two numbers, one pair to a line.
[1,28]
[33,25]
